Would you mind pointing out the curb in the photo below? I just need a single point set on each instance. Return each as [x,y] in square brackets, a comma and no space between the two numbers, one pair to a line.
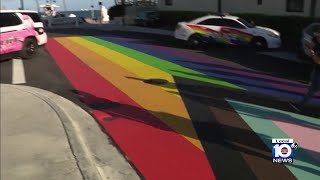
[87,142]
[112,27]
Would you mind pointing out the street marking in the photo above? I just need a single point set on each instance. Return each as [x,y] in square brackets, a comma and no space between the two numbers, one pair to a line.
[258,118]
[119,71]
[149,144]
[131,64]
[18,75]
[164,65]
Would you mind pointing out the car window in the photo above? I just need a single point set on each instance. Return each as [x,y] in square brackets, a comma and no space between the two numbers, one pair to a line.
[34,16]
[312,29]
[210,22]
[231,23]
[9,19]
[249,25]
[142,15]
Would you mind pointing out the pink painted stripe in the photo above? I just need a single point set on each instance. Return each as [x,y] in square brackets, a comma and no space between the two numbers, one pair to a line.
[306,137]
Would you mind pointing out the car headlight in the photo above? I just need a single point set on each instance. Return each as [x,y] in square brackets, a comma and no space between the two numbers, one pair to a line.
[274,35]
[40,30]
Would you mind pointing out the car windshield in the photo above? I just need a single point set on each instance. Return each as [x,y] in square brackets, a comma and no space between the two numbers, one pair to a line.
[246,23]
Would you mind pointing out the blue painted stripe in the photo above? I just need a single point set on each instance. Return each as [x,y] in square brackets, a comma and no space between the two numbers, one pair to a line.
[304,166]
[245,82]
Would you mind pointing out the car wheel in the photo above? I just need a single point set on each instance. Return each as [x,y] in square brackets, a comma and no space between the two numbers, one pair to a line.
[29,48]
[259,43]
[195,41]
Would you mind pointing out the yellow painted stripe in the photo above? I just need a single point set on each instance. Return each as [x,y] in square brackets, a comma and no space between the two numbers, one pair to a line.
[164,105]
[141,69]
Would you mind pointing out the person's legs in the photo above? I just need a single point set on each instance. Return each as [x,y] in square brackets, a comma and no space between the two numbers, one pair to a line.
[313,88]
[309,95]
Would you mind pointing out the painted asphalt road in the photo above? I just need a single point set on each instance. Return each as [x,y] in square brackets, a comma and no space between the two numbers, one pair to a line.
[213,120]
[41,72]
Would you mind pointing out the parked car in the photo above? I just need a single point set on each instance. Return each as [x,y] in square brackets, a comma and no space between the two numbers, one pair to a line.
[37,23]
[226,29]
[60,19]
[18,36]
[306,40]
[147,18]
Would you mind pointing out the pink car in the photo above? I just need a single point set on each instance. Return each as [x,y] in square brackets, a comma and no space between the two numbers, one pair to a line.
[17,36]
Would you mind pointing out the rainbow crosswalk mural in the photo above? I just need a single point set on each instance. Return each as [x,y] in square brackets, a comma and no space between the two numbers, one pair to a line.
[155,126]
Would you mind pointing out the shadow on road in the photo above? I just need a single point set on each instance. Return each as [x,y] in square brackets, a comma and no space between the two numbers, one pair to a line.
[231,137]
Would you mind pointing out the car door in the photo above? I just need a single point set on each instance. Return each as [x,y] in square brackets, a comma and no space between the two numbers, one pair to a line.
[210,30]
[234,32]
[11,33]
[59,19]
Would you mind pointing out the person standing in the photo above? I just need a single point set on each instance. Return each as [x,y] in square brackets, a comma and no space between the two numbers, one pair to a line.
[314,85]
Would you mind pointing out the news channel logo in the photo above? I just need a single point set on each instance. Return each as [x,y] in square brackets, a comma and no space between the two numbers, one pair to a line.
[283,150]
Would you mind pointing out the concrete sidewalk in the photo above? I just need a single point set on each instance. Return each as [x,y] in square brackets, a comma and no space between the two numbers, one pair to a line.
[44,136]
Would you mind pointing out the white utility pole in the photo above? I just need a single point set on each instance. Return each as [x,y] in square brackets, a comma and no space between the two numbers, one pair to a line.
[65,5]
[38,5]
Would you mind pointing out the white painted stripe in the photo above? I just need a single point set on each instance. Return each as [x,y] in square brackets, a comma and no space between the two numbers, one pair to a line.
[18,75]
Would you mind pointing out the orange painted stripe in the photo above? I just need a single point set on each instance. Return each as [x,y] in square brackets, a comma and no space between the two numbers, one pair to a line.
[164,105]
[157,152]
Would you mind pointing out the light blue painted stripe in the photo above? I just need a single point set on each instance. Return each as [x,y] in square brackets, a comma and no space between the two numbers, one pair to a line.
[304,166]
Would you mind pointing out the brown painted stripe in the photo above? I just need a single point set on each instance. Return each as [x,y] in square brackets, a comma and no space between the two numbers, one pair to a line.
[253,150]
[226,162]
[225,127]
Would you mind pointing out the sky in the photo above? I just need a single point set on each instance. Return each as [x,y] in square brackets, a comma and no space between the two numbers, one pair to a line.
[72,5]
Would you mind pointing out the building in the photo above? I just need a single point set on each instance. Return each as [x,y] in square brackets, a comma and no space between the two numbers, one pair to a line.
[188,5]
[139,2]
[270,7]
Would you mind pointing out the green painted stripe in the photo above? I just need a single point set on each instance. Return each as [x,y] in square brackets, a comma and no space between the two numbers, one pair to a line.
[166,66]
[304,166]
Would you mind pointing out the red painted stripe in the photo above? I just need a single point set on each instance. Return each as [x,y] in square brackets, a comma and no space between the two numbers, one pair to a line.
[155,150]
[235,31]
[201,28]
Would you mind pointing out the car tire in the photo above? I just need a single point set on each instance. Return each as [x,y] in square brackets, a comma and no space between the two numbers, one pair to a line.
[195,41]
[259,43]
[29,48]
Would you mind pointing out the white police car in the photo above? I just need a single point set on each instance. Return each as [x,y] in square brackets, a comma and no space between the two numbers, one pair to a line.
[226,29]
